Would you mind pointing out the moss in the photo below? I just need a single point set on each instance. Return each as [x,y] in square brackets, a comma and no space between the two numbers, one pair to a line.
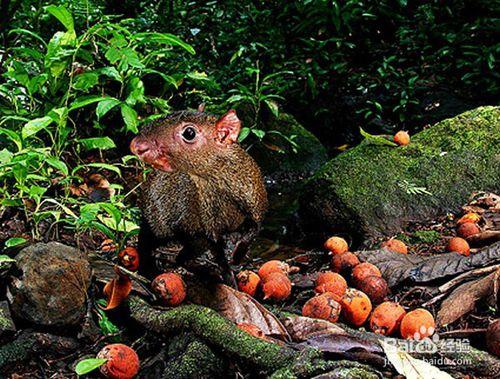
[426,236]
[366,189]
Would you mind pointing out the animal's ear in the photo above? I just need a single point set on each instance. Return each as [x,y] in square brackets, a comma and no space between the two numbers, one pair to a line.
[228,127]
[201,107]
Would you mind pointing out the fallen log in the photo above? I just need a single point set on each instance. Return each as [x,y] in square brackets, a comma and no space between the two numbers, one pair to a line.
[223,335]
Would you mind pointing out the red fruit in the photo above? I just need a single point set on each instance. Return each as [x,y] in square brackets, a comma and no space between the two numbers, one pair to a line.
[129,258]
[458,245]
[402,138]
[417,324]
[170,287]
[248,281]
[331,282]
[274,266]
[395,245]
[344,263]
[364,270]
[386,318]
[468,229]
[323,306]
[375,287]
[336,245]
[356,307]
[277,286]
[469,217]
[122,361]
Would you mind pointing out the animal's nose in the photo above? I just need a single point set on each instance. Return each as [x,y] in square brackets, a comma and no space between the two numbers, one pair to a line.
[139,147]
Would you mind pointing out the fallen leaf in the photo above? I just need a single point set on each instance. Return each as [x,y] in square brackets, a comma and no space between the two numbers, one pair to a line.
[301,328]
[464,298]
[116,291]
[397,268]
[410,367]
[237,307]
[340,344]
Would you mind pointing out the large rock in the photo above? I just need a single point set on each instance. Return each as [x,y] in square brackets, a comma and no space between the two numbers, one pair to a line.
[369,190]
[52,288]
[279,161]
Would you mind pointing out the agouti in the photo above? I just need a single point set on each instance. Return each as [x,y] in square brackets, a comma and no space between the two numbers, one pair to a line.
[205,192]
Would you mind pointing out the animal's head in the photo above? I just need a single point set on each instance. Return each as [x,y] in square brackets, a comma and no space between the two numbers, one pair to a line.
[187,140]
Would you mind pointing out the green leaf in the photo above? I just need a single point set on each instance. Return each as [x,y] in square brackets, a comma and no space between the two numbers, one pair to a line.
[164,38]
[136,91]
[15,241]
[86,81]
[102,143]
[85,100]
[63,15]
[259,133]
[34,126]
[376,140]
[111,72]
[13,136]
[130,118]
[105,166]
[273,107]
[105,106]
[58,164]
[87,365]
[6,258]
[243,134]
[28,32]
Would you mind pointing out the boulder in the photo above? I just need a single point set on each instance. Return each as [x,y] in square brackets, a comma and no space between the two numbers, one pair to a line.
[51,289]
[277,158]
[375,190]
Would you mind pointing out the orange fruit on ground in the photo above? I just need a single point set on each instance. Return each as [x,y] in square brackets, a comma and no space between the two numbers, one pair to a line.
[469,217]
[272,267]
[417,324]
[323,306]
[336,245]
[402,138]
[129,258]
[170,288]
[458,245]
[277,286]
[248,282]
[122,361]
[386,318]
[344,263]
[375,287]
[395,245]
[356,307]
[331,282]
[468,229]
[252,329]
[364,270]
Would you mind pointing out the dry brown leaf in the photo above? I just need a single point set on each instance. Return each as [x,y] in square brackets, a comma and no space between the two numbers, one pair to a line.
[464,298]
[301,328]
[116,291]
[237,307]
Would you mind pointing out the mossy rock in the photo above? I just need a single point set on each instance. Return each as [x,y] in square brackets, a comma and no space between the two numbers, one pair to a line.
[276,156]
[366,191]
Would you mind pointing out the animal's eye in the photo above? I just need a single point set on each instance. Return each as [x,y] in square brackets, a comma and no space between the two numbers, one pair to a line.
[189,134]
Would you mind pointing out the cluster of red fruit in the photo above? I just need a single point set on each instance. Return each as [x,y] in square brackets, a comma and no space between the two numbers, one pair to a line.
[466,227]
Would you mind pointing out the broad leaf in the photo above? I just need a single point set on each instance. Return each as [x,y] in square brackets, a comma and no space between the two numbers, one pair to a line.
[87,365]
[164,38]
[130,118]
[376,140]
[105,106]
[102,143]
[85,100]
[15,241]
[63,15]
[58,164]
[34,126]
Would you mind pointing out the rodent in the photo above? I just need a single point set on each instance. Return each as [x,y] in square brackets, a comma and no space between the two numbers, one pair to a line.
[205,191]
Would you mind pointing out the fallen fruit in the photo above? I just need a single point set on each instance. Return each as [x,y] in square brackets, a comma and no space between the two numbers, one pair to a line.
[493,337]
[129,258]
[252,329]
[248,281]
[273,266]
[468,229]
[402,138]
[170,287]
[375,287]
[395,245]
[386,318]
[336,245]
[356,307]
[458,245]
[364,270]
[344,263]
[122,361]
[331,282]
[469,217]
[277,286]
[323,306]
[417,324]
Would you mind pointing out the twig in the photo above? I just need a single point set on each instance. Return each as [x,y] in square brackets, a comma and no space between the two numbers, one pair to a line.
[466,275]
